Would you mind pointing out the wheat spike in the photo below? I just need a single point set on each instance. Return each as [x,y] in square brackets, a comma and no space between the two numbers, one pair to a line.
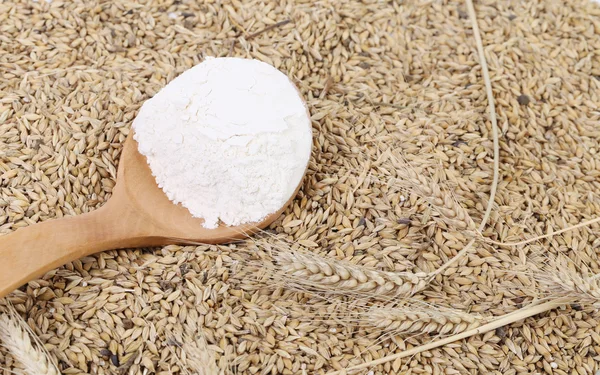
[200,357]
[455,214]
[562,279]
[412,319]
[425,187]
[310,271]
[16,338]
[195,353]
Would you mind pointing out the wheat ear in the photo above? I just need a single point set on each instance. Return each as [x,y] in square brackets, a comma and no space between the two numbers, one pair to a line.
[195,353]
[454,214]
[16,338]
[307,271]
[562,279]
[200,358]
[415,319]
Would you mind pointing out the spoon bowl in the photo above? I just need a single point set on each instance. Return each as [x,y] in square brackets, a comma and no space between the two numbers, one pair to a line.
[138,214]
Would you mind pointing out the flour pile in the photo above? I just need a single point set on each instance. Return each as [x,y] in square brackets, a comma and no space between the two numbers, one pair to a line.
[228,139]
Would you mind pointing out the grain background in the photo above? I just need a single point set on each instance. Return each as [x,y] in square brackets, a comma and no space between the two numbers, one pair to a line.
[380,77]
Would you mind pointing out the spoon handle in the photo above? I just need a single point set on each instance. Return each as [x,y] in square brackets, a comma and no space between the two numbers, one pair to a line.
[30,252]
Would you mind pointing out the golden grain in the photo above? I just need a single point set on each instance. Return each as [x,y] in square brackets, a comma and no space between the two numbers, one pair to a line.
[380,78]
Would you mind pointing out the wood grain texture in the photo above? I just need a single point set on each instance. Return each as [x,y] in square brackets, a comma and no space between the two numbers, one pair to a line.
[138,214]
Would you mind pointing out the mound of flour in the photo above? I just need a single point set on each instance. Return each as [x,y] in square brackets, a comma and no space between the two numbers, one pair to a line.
[228,139]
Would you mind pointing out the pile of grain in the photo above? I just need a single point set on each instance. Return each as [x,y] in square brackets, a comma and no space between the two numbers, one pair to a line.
[379,77]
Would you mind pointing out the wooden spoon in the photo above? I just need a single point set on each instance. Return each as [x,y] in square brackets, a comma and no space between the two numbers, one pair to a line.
[138,214]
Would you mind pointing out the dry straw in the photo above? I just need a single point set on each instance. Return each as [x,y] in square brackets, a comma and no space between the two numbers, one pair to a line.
[496,148]
[560,279]
[497,323]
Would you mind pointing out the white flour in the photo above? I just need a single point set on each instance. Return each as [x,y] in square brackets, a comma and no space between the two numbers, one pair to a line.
[229,139]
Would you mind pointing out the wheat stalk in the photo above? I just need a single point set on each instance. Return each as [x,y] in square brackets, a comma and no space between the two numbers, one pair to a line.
[15,336]
[307,271]
[564,283]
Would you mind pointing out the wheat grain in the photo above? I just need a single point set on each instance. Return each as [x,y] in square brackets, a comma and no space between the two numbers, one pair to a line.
[379,77]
